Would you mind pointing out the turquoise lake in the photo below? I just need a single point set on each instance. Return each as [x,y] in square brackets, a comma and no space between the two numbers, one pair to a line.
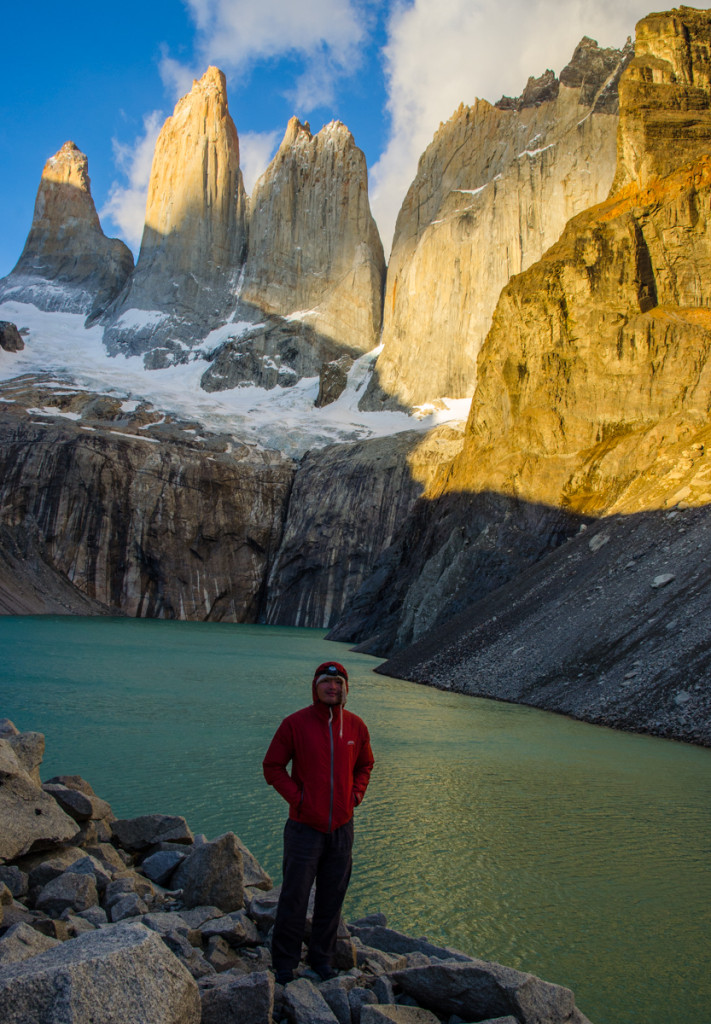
[574,852]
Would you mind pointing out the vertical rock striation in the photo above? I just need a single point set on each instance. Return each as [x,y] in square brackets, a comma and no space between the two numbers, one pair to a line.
[195,233]
[314,250]
[68,264]
[493,191]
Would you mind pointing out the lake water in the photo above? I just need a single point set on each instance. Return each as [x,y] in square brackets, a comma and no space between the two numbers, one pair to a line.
[571,851]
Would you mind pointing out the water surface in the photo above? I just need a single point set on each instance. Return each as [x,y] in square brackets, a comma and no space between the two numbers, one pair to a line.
[568,850]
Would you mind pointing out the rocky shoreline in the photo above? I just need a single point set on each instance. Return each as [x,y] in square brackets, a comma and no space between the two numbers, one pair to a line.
[139,921]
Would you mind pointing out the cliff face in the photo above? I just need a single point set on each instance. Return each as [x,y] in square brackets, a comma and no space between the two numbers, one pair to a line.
[314,273]
[195,233]
[347,503]
[68,264]
[493,191]
[314,249]
[593,398]
[134,514]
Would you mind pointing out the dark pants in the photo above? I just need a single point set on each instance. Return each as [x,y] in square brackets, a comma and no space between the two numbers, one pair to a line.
[310,855]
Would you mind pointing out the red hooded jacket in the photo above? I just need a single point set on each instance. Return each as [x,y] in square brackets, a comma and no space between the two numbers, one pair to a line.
[330,766]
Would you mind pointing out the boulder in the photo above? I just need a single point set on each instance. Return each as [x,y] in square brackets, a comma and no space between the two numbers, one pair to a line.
[335,992]
[130,905]
[42,871]
[15,879]
[237,929]
[117,975]
[69,891]
[359,997]
[231,999]
[213,874]
[391,941]
[29,750]
[10,337]
[160,866]
[29,818]
[78,805]
[21,941]
[94,869]
[481,989]
[253,872]
[379,1014]
[305,1005]
[135,834]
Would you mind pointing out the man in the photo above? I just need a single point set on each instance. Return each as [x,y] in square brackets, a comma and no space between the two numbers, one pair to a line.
[331,761]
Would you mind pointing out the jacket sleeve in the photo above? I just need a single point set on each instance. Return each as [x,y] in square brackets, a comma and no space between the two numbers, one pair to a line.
[362,768]
[280,752]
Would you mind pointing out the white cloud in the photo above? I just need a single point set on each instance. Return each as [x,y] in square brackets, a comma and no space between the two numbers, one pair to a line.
[234,34]
[125,206]
[443,52]
[255,151]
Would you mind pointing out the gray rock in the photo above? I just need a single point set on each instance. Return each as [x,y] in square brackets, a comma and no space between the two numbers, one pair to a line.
[78,805]
[67,892]
[399,1014]
[8,728]
[248,999]
[92,867]
[254,874]
[45,870]
[160,866]
[195,916]
[129,905]
[15,879]
[236,929]
[166,924]
[21,941]
[333,379]
[29,819]
[263,908]
[221,956]
[29,750]
[383,989]
[118,975]
[191,958]
[135,834]
[305,1004]
[213,874]
[481,989]
[662,580]
[125,885]
[382,961]
[96,916]
[358,998]
[392,941]
[6,896]
[335,992]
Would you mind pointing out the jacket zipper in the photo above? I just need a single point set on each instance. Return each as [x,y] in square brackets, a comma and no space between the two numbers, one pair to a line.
[330,736]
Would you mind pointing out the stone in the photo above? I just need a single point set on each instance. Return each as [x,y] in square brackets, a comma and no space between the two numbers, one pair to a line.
[129,905]
[379,1014]
[255,877]
[263,908]
[124,972]
[397,943]
[481,989]
[68,264]
[160,866]
[78,805]
[195,231]
[68,891]
[195,916]
[358,998]
[21,941]
[335,992]
[305,1004]
[221,956]
[135,834]
[237,929]
[213,874]
[662,580]
[92,867]
[29,819]
[96,916]
[29,750]
[10,337]
[333,379]
[238,1000]
[15,879]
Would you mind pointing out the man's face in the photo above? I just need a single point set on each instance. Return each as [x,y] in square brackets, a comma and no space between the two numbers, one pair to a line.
[329,689]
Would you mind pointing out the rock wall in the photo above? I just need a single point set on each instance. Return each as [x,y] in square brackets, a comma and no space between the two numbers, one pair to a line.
[493,191]
[347,503]
[593,394]
[68,264]
[314,250]
[195,234]
[141,519]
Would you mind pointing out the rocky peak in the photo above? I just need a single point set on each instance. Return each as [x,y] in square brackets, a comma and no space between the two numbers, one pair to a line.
[314,249]
[195,231]
[492,192]
[665,96]
[67,263]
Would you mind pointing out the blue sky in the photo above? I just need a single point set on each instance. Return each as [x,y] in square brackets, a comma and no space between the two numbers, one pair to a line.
[106,76]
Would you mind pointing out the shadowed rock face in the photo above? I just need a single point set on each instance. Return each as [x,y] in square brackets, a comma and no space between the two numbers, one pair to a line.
[153,521]
[493,191]
[68,264]
[314,249]
[195,233]
[593,399]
